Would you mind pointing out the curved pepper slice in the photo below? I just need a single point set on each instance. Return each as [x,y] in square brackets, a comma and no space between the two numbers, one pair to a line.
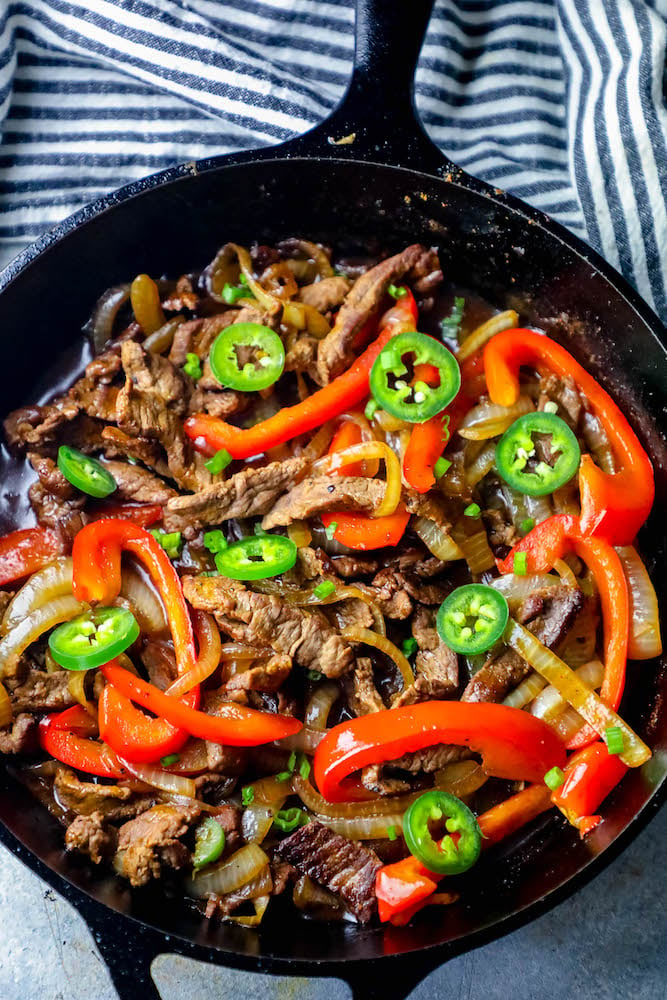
[77,751]
[210,434]
[613,506]
[137,736]
[551,540]
[96,576]
[590,775]
[24,552]
[513,744]
[234,724]
[429,440]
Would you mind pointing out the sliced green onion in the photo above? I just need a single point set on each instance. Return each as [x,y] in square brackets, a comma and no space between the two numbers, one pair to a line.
[232,293]
[324,589]
[527,525]
[451,324]
[441,467]
[472,510]
[314,675]
[330,530]
[283,776]
[409,646]
[304,769]
[397,291]
[614,740]
[392,832]
[171,758]
[520,564]
[192,366]
[288,820]
[170,541]
[215,541]
[291,761]
[554,778]
[218,462]
[247,795]
[371,409]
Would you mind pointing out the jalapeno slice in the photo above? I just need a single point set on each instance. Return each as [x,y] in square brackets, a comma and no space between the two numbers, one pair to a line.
[247,357]
[472,618]
[396,383]
[256,558]
[93,638]
[209,842]
[445,857]
[518,460]
[84,472]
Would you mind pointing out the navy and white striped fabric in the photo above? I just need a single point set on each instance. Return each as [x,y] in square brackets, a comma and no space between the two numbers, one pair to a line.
[559,101]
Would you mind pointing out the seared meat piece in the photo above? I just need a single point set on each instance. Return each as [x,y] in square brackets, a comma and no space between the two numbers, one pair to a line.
[326,294]
[117,444]
[249,493]
[22,737]
[362,695]
[92,836]
[51,478]
[152,404]
[430,758]
[95,397]
[37,427]
[42,692]
[419,563]
[262,620]
[395,592]
[345,868]
[564,392]
[500,530]
[549,615]
[222,404]
[183,296]
[267,676]
[52,512]
[301,355]
[335,352]
[114,802]
[436,665]
[353,566]
[152,841]
[352,613]
[137,484]
[430,505]
[426,274]
[374,779]
[320,494]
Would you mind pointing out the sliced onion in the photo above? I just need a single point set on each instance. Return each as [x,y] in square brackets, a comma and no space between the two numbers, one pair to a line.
[311,252]
[644,641]
[487,420]
[238,651]
[517,588]
[269,791]
[319,706]
[364,827]
[480,465]
[461,778]
[597,442]
[565,573]
[55,580]
[27,631]
[310,896]
[390,424]
[100,325]
[437,541]
[300,534]
[6,711]
[304,317]
[260,904]
[369,450]
[319,443]
[552,708]
[354,634]
[477,552]
[575,692]
[76,685]
[257,820]
[208,641]
[526,691]
[307,740]
[229,875]
[144,600]
[165,781]
[476,340]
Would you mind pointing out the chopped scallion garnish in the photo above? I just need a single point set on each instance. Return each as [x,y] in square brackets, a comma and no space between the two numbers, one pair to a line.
[170,541]
[218,462]
[554,778]
[284,776]
[192,366]
[291,761]
[397,291]
[527,525]
[304,769]
[330,530]
[409,647]
[614,740]
[472,510]
[247,795]
[232,293]
[392,832]
[215,541]
[520,563]
[172,758]
[451,324]
[442,466]
[324,589]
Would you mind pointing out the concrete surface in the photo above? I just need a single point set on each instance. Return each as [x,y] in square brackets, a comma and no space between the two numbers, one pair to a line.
[606,943]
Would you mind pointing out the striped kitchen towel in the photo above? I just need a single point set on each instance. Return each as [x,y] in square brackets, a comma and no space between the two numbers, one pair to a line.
[558,101]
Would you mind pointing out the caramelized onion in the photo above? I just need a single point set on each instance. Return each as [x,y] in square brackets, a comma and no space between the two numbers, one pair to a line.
[229,875]
[319,706]
[354,634]
[550,706]
[481,464]
[165,781]
[307,740]
[437,541]
[477,552]
[644,641]
[76,685]
[100,326]
[479,336]
[487,420]
[208,641]
[257,820]
[300,534]
[55,580]
[144,600]
[565,573]
[27,631]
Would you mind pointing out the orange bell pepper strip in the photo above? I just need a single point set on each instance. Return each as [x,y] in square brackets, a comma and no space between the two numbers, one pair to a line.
[77,751]
[551,540]
[402,888]
[210,434]
[142,514]
[136,736]
[513,744]
[590,776]
[24,552]
[96,576]
[234,725]
[613,506]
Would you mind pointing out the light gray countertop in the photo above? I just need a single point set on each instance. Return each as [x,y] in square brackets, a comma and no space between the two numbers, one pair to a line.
[608,942]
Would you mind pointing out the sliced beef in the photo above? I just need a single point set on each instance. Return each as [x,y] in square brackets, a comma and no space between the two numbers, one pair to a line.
[499,528]
[114,802]
[436,665]
[117,444]
[564,392]
[222,404]
[549,614]
[22,737]
[51,478]
[249,493]
[319,494]
[67,516]
[301,355]
[196,336]
[326,294]
[429,505]
[345,868]
[354,566]
[42,692]
[267,676]
[430,759]
[182,297]
[351,613]
[375,780]
[93,836]
[262,620]
[387,588]
[335,352]
[138,485]
[152,841]
[362,695]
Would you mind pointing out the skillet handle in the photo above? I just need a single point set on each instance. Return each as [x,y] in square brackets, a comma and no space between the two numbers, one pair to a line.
[378,107]
[390,979]
[127,949]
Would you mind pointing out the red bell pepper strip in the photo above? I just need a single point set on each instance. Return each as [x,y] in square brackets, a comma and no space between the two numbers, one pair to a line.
[96,576]
[613,506]
[24,552]
[347,435]
[210,434]
[551,540]
[76,751]
[136,736]
[428,441]
[590,775]
[75,720]
[402,888]
[359,531]
[142,514]
[511,744]
[234,724]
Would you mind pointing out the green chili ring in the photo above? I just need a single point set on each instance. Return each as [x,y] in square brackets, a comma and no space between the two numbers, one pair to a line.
[84,472]
[260,373]
[418,402]
[93,638]
[209,843]
[257,558]
[445,857]
[472,618]
[516,448]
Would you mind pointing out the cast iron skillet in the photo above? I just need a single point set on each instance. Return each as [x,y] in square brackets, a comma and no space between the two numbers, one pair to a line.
[390,185]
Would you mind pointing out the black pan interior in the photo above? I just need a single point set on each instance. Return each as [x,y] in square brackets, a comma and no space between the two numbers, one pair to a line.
[485,244]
